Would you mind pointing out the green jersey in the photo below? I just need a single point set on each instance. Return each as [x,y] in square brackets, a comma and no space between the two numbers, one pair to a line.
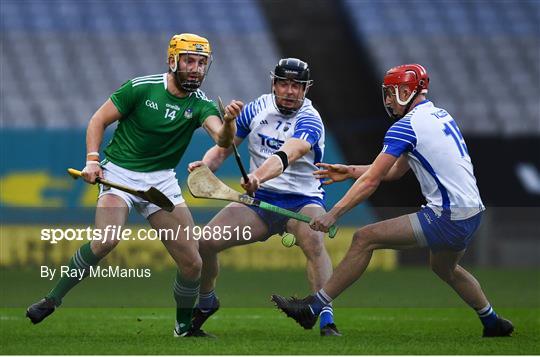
[156,127]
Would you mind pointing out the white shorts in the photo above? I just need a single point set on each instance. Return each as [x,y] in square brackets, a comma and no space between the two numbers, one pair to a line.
[163,180]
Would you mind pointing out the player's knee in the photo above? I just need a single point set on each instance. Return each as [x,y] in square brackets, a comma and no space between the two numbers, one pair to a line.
[191,268]
[207,248]
[362,239]
[312,247]
[104,247]
[443,272]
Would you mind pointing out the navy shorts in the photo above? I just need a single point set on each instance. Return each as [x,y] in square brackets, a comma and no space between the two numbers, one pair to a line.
[276,223]
[439,232]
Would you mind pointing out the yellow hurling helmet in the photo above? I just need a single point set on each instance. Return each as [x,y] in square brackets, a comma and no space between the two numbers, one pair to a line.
[190,44]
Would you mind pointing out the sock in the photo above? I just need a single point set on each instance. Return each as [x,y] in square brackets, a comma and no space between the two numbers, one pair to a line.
[327,316]
[207,301]
[83,258]
[321,300]
[488,316]
[185,294]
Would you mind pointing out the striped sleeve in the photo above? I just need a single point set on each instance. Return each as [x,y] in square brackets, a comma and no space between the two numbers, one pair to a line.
[308,128]
[243,121]
[399,138]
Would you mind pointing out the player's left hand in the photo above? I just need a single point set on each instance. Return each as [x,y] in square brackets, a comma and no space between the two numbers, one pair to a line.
[193,165]
[252,185]
[232,110]
[331,172]
[323,222]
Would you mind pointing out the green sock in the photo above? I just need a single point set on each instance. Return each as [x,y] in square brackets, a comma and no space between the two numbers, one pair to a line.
[82,259]
[185,294]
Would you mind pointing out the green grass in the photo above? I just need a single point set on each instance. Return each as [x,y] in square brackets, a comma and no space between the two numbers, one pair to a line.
[404,287]
[265,331]
[408,311]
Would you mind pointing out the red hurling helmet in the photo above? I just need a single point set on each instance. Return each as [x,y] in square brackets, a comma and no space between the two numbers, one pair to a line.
[414,76]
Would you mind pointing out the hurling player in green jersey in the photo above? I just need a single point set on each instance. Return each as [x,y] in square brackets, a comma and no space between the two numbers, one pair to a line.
[156,117]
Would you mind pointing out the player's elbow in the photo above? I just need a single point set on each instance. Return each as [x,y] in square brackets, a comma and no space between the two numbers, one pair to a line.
[224,142]
[392,176]
[97,121]
[296,153]
[396,175]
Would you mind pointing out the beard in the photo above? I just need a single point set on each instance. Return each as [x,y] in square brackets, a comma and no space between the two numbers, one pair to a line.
[183,81]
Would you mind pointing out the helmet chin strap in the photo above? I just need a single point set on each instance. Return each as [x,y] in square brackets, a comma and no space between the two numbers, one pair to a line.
[413,93]
[175,71]
[175,64]
[407,102]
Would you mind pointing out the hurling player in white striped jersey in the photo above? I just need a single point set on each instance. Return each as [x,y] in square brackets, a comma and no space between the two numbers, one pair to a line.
[285,136]
[427,140]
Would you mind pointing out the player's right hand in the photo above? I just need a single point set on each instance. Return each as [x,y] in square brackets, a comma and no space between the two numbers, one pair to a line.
[252,185]
[193,165]
[323,222]
[331,173]
[232,110]
[91,171]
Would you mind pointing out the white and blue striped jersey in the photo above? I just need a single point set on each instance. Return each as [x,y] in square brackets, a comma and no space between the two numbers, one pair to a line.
[266,129]
[438,156]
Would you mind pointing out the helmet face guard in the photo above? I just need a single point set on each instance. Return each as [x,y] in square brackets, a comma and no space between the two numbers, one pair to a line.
[184,49]
[412,76]
[387,92]
[297,71]
[182,74]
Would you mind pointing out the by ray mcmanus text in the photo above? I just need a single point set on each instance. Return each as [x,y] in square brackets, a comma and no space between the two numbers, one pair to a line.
[94,272]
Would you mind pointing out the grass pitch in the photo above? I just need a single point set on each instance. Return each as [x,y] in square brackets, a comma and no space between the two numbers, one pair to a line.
[402,312]
[264,331]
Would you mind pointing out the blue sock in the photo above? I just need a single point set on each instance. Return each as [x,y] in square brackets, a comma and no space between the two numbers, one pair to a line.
[488,316]
[327,316]
[321,300]
[207,301]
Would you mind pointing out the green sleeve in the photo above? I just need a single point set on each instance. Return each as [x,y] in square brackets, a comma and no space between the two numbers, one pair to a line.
[208,108]
[124,98]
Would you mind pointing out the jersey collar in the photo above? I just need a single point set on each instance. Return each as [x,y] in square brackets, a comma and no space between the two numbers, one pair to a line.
[421,103]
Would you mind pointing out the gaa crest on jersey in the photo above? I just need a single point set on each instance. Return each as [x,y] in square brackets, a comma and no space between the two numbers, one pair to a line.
[188,114]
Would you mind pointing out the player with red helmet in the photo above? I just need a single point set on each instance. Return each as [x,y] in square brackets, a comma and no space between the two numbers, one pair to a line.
[412,76]
[427,140]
